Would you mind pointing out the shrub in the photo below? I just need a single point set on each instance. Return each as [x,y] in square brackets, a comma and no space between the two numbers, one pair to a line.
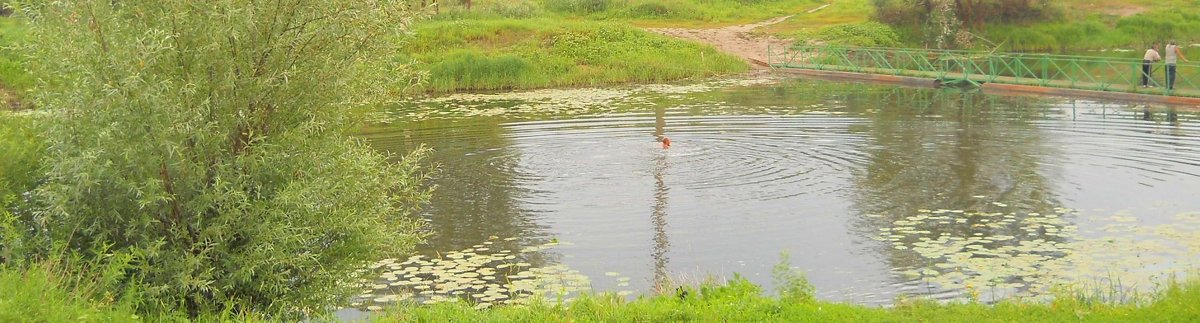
[652,9]
[664,9]
[514,8]
[207,141]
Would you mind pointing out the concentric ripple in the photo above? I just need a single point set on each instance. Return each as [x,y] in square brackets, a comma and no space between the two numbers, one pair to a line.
[876,191]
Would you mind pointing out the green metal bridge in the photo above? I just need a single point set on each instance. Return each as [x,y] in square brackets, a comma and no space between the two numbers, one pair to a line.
[1094,73]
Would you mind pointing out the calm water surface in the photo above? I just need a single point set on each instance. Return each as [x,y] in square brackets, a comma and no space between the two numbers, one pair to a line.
[875,191]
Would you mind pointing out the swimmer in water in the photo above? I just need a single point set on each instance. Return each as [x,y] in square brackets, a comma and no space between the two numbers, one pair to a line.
[666,142]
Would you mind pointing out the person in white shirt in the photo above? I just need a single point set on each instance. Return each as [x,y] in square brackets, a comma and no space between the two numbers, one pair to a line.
[1174,54]
[1148,64]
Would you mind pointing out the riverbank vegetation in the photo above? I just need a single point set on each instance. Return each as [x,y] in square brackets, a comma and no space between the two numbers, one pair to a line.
[42,293]
[1073,26]
[493,54]
[497,45]
[187,160]
[741,301]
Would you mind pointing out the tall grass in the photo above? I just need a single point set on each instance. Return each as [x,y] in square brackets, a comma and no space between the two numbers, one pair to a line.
[52,290]
[42,293]
[494,54]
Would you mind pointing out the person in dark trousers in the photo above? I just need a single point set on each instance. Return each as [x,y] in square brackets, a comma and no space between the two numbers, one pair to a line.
[1173,55]
[1148,64]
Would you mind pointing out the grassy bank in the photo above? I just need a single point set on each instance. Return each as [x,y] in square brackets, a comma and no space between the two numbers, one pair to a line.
[508,53]
[741,301]
[40,293]
[806,25]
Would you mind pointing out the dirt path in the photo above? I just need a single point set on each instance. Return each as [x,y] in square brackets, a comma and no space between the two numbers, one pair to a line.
[735,40]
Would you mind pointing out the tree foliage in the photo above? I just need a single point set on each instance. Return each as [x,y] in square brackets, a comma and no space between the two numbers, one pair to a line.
[207,141]
[947,23]
[973,13]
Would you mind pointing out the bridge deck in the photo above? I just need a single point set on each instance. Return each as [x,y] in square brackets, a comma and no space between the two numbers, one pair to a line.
[1101,77]
[1008,80]
[999,88]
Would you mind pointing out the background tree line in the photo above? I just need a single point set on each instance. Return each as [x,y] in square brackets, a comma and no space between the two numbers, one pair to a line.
[948,23]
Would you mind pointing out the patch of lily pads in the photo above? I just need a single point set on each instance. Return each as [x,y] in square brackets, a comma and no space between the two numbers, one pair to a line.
[1025,254]
[484,275]
[552,101]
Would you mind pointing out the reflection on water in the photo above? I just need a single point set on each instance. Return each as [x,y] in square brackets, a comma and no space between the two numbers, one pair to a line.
[966,154]
[876,191]
[659,217]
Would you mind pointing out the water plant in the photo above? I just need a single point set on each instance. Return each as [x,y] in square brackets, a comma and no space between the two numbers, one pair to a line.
[790,282]
[484,275]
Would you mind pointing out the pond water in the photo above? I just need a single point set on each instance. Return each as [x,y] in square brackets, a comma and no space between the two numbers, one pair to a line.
[875,191]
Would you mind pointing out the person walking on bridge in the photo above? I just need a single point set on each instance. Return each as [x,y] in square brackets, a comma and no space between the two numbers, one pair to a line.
[1148,64]
[1174,54]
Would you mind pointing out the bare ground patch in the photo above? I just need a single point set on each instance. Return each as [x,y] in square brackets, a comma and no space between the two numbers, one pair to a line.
[737,40]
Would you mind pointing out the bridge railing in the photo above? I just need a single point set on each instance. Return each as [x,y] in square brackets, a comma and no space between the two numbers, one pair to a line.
[1067,71]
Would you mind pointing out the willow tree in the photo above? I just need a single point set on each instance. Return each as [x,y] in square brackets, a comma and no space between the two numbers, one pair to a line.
[208,141]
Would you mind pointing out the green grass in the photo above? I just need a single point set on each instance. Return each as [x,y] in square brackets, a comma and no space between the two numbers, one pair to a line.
[505,53]
[741,301]
[803,24]
[523,44]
